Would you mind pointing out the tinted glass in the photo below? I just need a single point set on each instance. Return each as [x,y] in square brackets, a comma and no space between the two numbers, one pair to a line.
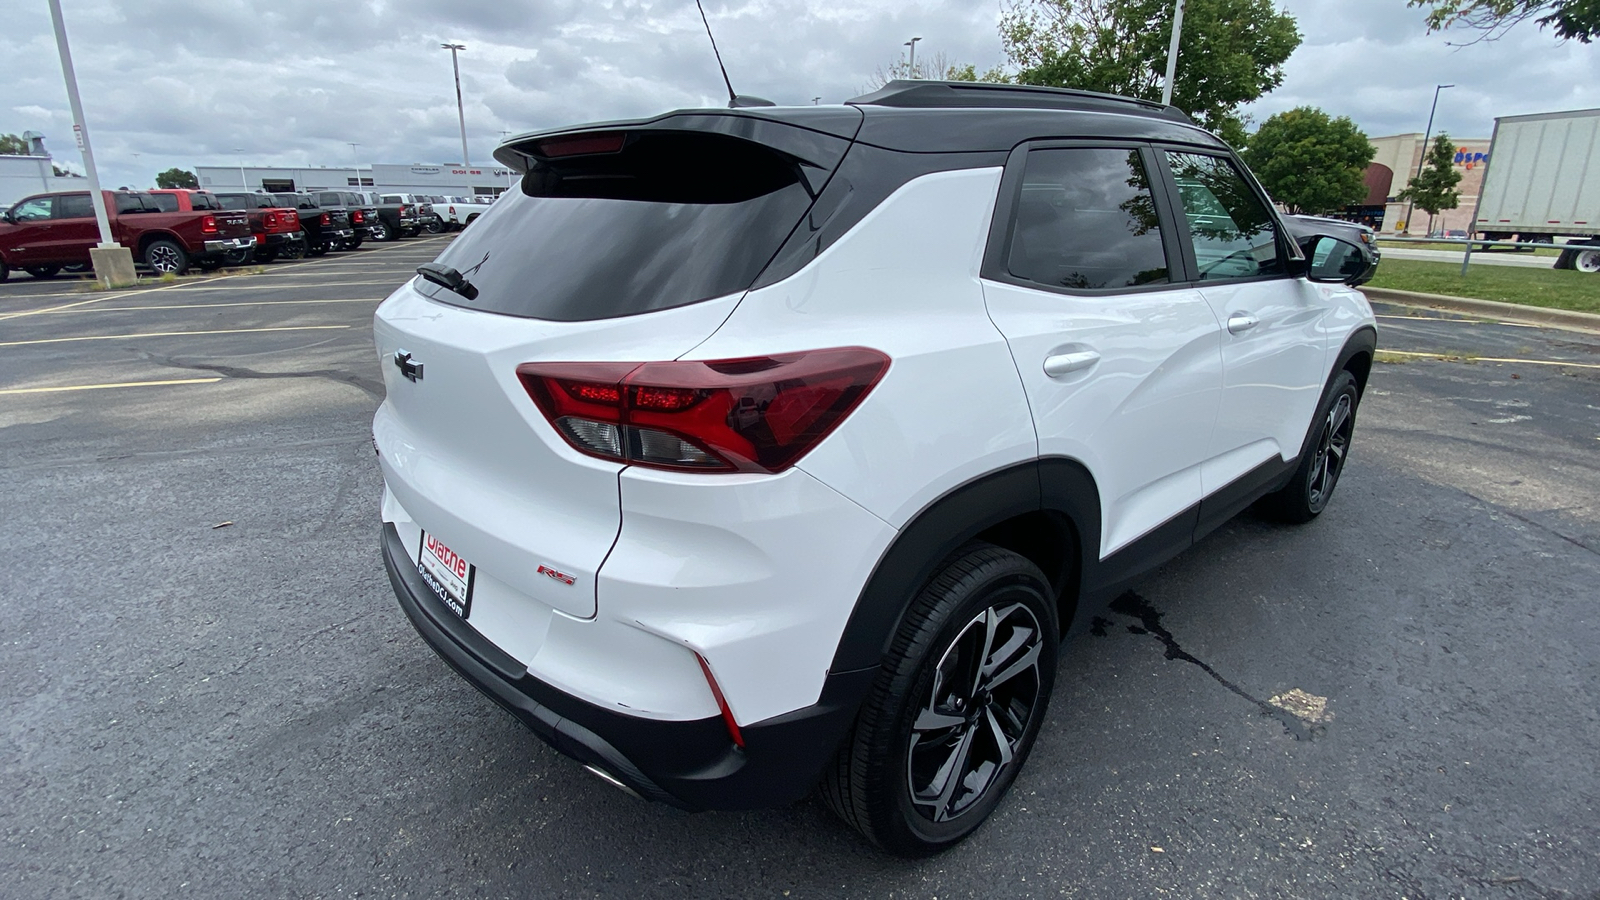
[232,201]
[330,198]
[1086,220]
[1232,232]
[165,202]
[203,201]
[32,209]
[74,206]
[673,219]
[131,203]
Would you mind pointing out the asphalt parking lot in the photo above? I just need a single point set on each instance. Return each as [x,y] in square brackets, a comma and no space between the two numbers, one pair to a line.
[208,690]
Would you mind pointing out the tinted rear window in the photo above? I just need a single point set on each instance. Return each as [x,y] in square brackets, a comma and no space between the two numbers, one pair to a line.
[672,219]
[167,202]
[203,201]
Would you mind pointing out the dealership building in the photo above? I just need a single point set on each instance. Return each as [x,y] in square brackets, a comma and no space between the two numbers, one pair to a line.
[448,179]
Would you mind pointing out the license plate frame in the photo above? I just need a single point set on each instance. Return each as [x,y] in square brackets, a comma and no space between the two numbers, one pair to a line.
[446,573]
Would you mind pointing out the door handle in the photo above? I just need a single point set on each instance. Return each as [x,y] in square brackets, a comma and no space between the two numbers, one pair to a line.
[1240,322]
[1065,363]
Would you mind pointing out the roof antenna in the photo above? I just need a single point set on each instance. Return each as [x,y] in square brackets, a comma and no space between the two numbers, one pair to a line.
[735,101]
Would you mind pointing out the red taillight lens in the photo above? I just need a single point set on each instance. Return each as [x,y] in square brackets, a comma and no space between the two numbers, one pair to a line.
[357,217]
[733,415]
[208,225]
[325,219]
[404,209]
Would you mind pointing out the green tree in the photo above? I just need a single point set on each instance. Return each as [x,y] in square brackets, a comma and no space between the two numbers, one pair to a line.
[1309,161]
[1232,51]
[1492,18]
[176,178]
[13,145]
[1434,190]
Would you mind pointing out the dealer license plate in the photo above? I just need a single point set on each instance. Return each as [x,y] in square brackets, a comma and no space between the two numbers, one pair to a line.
[447,574]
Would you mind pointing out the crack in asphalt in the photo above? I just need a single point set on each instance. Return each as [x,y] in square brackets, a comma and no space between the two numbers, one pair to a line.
[372,387]
[1138,608]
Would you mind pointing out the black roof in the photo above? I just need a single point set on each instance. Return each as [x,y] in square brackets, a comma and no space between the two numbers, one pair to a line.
[943,117]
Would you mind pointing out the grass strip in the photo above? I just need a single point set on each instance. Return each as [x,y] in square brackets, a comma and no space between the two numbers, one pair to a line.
[1550,288]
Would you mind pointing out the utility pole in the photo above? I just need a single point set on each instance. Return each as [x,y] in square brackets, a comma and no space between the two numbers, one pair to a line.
[243,184]
[460,110]
[1172,52]
[357,158]
[1411,205]
[113,263]
[913,45]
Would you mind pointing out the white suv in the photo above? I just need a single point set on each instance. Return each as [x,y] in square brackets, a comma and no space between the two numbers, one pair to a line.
[742,449]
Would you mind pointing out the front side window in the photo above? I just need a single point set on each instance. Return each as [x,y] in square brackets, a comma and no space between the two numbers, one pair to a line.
[32,209]
[1232,232]
[74,206]
[1086,220]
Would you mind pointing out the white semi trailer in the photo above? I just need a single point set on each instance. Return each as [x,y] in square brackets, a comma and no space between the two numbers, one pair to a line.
[1543,183]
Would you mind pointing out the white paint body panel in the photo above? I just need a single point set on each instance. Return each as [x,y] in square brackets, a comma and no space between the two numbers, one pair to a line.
[1273,373]
[1544,175]
[1140,418]
[903,281]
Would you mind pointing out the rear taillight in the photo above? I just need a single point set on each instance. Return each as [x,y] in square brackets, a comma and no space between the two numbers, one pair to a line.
[325,219]
[404,209]
[208,225]
[357,217]
[261,238]
[731,415]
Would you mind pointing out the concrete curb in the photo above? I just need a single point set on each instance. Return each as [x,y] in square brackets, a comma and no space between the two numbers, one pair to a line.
[1492,309]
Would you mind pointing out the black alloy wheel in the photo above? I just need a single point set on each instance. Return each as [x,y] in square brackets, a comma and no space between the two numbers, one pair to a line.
[237,257]
[165,257]
[43,271]
[956,706]
[1323,458]
[433,225]
[381,232]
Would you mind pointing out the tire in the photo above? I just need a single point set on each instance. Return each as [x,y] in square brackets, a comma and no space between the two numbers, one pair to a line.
[5,271]
[352,244]
[317,250]
[1564,261]
[921,715]
[433,225]
[43,271]
[293,250]
[1323,459]
[266,256]
[237,257]
[381,231]
[209,265]
[1586,260]
[165,257]
[470,219]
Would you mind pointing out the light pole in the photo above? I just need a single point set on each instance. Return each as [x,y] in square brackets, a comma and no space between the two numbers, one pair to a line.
[243,185]
[357,158]
[460,110]
[113,263]
[1172,52]
[1411,205]
[913,45]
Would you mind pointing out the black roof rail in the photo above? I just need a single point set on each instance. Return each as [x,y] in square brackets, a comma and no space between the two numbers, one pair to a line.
[986,95]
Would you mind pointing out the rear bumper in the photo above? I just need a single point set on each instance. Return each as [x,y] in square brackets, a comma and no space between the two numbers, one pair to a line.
[280,239]
[688,764]
[226,245]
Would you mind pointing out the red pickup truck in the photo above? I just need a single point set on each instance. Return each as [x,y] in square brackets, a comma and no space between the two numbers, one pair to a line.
[45,232]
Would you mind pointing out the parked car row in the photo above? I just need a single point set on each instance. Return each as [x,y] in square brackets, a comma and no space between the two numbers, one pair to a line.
[171,230]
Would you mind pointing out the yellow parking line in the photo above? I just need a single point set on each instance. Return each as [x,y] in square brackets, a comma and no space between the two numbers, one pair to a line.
[101,387]
[1494,359]
[149,334]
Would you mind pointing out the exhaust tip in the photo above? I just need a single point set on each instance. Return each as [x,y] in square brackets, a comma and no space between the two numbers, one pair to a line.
[612,780]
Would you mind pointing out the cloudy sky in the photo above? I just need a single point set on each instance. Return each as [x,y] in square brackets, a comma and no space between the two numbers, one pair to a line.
[291,82]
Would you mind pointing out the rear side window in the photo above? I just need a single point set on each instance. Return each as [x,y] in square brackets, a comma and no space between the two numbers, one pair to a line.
[1086,220]
[135,203]
[167,202]
[329,199]
[1230,228]
[74,206]
[672,218]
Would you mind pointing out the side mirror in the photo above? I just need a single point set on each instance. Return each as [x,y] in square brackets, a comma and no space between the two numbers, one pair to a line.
[1335,261]
[10,216]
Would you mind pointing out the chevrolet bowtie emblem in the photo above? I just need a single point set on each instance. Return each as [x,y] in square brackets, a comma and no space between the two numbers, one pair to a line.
[408,367]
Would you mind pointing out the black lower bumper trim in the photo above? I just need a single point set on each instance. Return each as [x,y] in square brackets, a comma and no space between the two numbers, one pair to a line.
[688,764]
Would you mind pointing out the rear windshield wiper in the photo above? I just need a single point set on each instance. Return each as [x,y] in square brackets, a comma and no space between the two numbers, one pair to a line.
[449,279]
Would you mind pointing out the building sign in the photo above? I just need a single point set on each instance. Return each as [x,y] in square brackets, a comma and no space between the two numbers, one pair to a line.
[1469,159]
[425,170]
